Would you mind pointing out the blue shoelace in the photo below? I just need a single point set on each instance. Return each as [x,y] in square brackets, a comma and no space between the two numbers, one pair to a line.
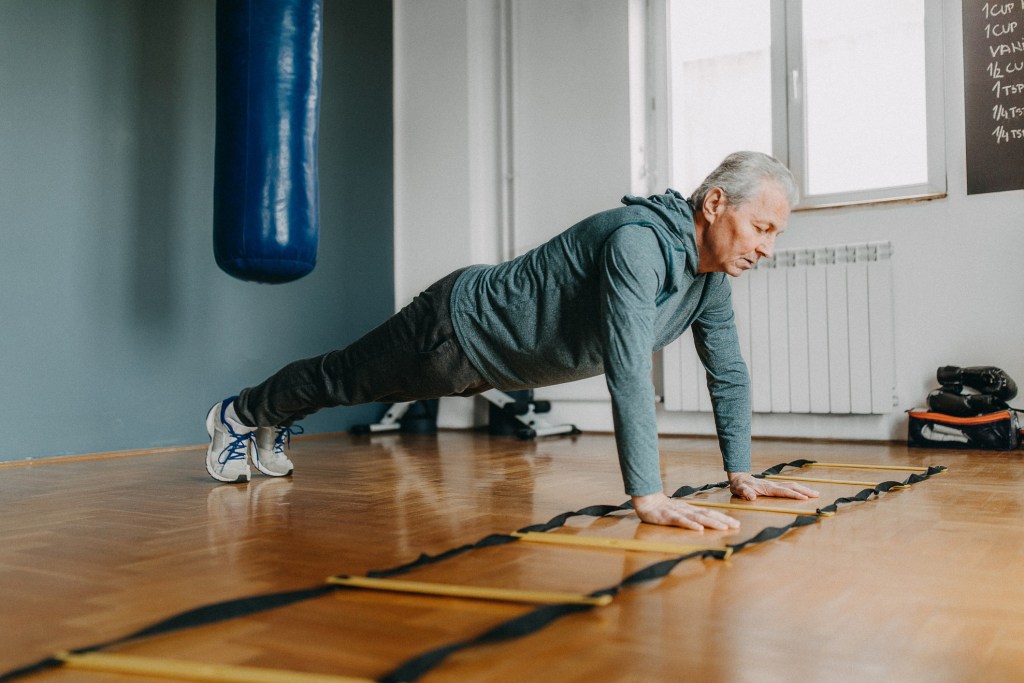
[283,437]
[236,448]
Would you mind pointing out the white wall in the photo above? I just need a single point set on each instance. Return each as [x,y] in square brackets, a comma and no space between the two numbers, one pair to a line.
[570,135]
[566,144]
[446,147]
[957,261]
[567,151]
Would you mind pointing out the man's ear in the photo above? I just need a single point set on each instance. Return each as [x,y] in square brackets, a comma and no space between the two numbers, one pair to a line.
[714,204]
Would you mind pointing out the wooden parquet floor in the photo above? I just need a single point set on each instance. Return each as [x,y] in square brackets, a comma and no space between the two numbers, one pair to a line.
[921,584]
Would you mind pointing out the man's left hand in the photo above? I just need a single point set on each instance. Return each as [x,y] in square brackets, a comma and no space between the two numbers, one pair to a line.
[748,487]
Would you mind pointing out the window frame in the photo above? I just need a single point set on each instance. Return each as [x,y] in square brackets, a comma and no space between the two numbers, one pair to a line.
[789,143]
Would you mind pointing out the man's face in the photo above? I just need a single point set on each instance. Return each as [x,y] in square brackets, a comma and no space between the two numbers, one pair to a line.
[739,236]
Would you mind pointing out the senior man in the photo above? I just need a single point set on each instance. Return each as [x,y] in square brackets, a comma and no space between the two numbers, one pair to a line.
[601,297]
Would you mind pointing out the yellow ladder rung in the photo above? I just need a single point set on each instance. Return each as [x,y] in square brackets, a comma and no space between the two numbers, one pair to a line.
[472,592]
[810,480]
[756,508]
[159,667]
[618,543]
[850,466]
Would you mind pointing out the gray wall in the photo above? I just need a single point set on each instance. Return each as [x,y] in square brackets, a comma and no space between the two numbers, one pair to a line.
[118,329]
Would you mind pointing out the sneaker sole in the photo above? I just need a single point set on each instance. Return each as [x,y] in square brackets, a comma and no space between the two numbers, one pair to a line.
[272,474]
[261,468]
[240,479]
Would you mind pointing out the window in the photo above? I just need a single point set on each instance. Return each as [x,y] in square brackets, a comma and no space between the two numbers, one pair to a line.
[847,94]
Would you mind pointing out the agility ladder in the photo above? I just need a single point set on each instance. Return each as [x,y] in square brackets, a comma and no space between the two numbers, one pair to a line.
[554,605]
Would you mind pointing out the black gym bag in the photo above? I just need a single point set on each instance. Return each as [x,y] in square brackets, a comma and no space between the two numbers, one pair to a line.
[998,431]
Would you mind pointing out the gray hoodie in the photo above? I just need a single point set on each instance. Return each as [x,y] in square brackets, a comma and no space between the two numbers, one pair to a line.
[602,297]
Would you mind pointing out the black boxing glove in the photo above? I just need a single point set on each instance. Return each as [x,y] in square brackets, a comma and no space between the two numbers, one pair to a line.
[963,405]
[983,378]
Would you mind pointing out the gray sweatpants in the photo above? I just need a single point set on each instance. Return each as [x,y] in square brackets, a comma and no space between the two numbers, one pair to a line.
[414,355]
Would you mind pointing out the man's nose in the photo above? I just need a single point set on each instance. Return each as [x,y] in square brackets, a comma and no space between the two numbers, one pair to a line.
[767,247]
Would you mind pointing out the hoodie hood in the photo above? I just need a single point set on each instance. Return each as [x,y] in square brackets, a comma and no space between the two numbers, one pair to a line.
[679,239]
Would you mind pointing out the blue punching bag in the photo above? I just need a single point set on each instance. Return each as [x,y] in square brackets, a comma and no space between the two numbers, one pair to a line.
[266,215]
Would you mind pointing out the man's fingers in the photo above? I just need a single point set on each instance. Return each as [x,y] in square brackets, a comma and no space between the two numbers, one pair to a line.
[680,514]
[744,489]
[686,523]
[790,490]
[751,489]
[809,492]
[746,492]
[710,519]
[777,491]
[720,522]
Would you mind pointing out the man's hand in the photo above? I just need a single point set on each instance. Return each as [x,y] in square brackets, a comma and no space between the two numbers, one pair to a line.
[657,508]
[744,485]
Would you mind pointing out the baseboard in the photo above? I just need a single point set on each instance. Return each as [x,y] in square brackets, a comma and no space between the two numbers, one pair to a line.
[162,450]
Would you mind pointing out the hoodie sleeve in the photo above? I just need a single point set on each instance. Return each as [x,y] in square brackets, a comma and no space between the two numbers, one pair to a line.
[714,335]
[633,271]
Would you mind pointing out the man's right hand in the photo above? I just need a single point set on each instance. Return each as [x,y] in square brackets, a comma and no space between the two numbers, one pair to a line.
[657,508]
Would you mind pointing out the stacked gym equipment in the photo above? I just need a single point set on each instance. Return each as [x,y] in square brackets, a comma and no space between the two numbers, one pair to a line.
[977,418]
[993,386]
[511,413]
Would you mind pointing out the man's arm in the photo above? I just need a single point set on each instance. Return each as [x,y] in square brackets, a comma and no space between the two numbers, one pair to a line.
[718,346]
[633,270]
[717,343]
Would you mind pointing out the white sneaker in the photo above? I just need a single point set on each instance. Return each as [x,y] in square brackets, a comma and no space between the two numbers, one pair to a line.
[268,450]
[226,457]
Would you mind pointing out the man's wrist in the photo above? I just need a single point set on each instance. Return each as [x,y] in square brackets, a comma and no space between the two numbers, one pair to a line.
[646,500]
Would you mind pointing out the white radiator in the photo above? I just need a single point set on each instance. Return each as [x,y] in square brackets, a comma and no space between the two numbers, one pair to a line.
[816,330]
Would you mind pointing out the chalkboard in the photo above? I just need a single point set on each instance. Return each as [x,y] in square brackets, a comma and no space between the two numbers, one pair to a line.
[994,94]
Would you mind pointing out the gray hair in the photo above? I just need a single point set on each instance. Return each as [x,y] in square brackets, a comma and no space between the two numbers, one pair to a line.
[740,175]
